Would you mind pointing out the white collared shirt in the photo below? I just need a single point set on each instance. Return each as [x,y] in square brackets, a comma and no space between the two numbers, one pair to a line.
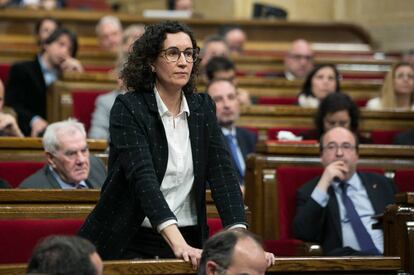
[178,180]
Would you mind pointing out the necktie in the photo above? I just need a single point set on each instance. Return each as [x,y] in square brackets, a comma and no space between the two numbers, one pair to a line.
[364,239]
[233,149]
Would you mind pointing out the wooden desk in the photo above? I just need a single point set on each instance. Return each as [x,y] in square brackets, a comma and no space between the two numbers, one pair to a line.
[21,21]
[314,265]
[398,222]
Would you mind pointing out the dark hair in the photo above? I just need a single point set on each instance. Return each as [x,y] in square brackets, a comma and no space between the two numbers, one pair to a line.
[334,103]
[220,248]
[62,255]
[218,64]
[307,85]
[137,73]
[40,22]
[56,34]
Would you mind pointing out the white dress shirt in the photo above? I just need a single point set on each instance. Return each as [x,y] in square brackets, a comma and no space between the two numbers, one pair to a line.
[178,180]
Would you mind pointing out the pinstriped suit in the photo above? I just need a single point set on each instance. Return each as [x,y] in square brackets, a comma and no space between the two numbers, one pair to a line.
[137,163]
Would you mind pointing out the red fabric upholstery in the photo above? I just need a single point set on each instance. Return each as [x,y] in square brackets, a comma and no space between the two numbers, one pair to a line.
[383,136]
[214,224]
[283,247]
[18,237]
[266,100]
[404,180]
[14,172]
[272,132]
[4,72]
[100,5]
[101,69]
[84,105]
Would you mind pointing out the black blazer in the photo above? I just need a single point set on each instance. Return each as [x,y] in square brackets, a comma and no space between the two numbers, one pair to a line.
[314,223]
[247,144]
[405,138]
[137,164]
[26,92]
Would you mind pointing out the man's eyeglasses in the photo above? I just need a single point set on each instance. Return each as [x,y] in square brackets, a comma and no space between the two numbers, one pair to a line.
[173,54]
[300,56]
[333,147]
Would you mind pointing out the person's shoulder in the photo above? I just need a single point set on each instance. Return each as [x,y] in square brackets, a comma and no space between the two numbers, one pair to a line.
[375,177]
[35,180]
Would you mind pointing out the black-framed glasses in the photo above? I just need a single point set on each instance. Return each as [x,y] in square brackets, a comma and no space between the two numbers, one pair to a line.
[172,54]
[333,147]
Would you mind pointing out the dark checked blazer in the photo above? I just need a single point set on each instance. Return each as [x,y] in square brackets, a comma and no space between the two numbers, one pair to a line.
[137,162]
[314,223]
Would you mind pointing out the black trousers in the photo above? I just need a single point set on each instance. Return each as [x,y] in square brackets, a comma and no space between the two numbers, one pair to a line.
[149,244]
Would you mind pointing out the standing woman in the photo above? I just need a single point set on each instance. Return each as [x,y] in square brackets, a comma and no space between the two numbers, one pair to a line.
[397,90]
[165,145]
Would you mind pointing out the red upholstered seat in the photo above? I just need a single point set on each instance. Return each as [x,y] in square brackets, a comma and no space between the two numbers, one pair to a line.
[404,179]
[84,104]
[214,224]
[100,5]
[4,72]
[18,237]
[14,172]
[266,100]
[383,136]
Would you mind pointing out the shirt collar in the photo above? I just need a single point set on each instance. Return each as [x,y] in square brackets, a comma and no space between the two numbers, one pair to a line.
[227,131]
[162,108]
[64,184]
[354,182]
[43,66]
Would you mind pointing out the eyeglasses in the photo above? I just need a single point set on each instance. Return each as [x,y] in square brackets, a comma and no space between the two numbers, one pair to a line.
[333,147]
[173,54]
[298,57]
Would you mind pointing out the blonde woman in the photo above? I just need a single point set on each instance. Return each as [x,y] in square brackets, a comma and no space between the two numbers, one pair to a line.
[397,91]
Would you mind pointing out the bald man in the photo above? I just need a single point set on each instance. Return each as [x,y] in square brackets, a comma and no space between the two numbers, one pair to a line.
[299,60]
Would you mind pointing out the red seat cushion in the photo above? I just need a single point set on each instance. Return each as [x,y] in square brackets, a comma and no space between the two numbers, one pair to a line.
[84,105]
[383,136]
[214,224]
[19,237]
[404,180]
[277,100]
[14,172]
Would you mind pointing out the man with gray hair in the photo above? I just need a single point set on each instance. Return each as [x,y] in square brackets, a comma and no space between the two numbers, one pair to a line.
[109,33]
[69,165]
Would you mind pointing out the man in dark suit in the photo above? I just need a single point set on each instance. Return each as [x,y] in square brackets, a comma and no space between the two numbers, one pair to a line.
[337,209]
[240,142]
[29,80]
[69,164]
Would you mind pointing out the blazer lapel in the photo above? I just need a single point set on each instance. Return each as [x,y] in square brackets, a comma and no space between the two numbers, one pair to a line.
[194,120]
[373,190]
[51,179]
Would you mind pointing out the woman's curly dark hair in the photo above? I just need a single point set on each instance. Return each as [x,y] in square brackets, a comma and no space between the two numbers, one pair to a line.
[137,73]
[333,103]
[307,84]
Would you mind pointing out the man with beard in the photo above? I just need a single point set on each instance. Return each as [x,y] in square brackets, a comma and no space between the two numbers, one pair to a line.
[29,80]
[337,209]
[69,165]
[240,141]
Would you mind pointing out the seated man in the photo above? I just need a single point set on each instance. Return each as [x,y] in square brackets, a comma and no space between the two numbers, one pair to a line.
[69,164]
[65,255]
[337,209]
[109,34]
[29,80]
[233,252]
[240,142]
[213,45]
[235,38]
[298,60]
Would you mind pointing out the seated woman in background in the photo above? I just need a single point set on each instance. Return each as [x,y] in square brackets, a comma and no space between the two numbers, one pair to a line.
[320,82]
[336,110]
[397,90]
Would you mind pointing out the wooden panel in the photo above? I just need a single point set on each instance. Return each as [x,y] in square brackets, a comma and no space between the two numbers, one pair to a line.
[314,265]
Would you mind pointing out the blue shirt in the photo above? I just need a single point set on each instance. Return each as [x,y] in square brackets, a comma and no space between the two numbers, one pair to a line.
[49,75]
[358,194]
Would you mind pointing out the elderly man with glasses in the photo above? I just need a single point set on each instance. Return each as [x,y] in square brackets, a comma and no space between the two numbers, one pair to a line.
[69,165]
[337,209]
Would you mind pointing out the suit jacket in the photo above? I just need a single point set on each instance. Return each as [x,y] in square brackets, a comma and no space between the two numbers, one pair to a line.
[26,92]
[100,117]
[137,163]
[43,178]
[405,138]
[246,141]
[314,223]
